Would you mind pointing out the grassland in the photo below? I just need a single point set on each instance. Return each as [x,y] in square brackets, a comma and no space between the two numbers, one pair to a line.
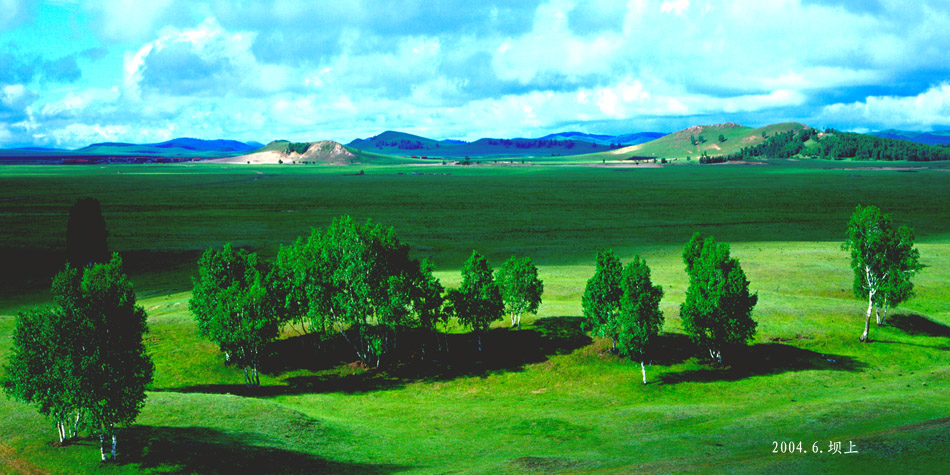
[545,399]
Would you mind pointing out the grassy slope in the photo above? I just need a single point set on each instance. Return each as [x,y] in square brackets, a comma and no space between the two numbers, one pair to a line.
[568,406]
[678,145]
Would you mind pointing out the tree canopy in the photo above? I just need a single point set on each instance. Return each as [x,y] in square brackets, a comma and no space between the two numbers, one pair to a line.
[520,287]
[358,280]
[883,259]
[717,311]
[86,234]
[235,305]
[640,319]
[477,302]
[83,362]
[601,300]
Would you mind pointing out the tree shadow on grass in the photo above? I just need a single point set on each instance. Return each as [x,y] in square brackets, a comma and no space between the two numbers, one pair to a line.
[766,359]
[420,356]
[181,450]
[912,324]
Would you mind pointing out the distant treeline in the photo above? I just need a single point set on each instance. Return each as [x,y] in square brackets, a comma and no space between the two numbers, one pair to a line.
[837,145]
[840,145]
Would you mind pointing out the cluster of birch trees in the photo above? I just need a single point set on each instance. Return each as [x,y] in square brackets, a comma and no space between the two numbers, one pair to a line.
[356,280]
[622,304]
[83,362]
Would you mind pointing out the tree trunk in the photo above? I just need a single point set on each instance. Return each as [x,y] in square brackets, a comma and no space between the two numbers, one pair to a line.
[478,336]
[247,379]
[884,318]
[643,369]
[113,443]
[877,314]
[867,318]
[519,320]
[102,446]
[61,431]
[76,425]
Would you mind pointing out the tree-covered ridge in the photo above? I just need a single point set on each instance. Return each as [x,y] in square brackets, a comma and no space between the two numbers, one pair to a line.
[836,145]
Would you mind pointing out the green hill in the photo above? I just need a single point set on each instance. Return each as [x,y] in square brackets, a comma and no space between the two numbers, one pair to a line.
[693,141]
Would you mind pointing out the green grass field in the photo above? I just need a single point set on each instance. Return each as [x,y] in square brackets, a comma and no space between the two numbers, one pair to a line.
[547,398]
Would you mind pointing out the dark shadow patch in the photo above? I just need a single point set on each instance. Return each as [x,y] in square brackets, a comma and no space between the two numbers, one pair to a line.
[765,359]
[912,324]
[548,464]
[671,348]
[181,450]
[420,356]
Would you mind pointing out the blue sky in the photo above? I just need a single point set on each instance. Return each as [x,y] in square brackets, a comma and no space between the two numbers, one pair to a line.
[76,72]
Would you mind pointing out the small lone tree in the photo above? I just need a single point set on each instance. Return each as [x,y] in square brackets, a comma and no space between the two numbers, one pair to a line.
[718,307]
[640,319]
[86,234]
[234,307]
[520,287]
[722,138]
[601,300]
[478,300]
[883,258]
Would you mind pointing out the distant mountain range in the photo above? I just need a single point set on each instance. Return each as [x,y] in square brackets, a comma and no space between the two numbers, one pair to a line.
[929,138]
[180,147]
[562,143]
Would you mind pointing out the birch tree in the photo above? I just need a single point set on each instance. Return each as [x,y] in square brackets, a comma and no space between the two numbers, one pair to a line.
[520,287]
[477,302]
[717,311]
[115,367]
[883,259]
[358,280]
[83,362]
[601,300]
[235,307]
[640,319]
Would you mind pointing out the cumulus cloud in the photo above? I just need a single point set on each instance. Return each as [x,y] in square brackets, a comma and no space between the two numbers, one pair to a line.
[303,70]
[923,111]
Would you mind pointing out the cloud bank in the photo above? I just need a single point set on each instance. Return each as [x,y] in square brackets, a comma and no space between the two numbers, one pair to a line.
[260,70]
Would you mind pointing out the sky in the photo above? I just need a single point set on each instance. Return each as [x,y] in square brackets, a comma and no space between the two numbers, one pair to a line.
[75,72]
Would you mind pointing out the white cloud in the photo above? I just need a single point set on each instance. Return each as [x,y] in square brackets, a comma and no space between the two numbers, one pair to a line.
[927,109]
[674,6]
[75,103]
[129,20]
[16,97]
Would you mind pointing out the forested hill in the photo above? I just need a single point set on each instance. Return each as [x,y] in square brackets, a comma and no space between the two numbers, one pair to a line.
[832,144]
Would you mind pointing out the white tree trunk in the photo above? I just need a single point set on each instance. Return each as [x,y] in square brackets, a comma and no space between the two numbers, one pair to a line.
[102,446]
[113,444]
[867,317]
[643,369]
[61,431]
[877,314]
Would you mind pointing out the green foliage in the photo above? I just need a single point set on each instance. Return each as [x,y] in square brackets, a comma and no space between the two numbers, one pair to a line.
[298,147]
[520,287]
[83,362]
[779,145]
[718,307]
[235,304]
[477,303]
[86,234]
[601,300]
[839,145]
[358,278]
[722,138]
[883,259]
[640,318]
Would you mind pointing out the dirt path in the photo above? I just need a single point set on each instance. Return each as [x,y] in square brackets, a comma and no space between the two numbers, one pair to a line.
[10,461]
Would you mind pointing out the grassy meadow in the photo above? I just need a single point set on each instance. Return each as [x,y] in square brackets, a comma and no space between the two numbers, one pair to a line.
[540,400]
